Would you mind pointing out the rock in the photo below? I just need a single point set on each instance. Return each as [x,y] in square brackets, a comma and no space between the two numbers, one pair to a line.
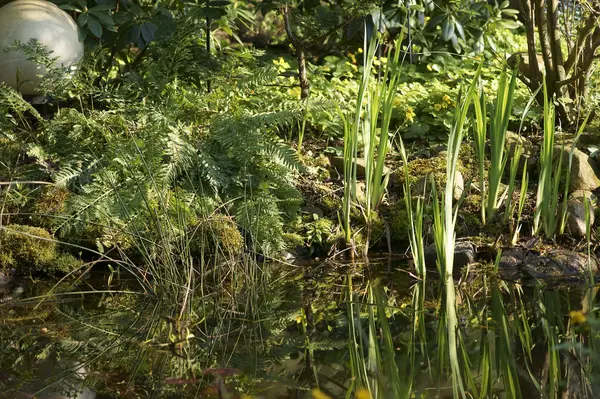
[510,262]
[581,194]
[576,224]
[464,253]
[556,263]
[419,187]
[585,171]
[527,157]
[338,164]
[311,209]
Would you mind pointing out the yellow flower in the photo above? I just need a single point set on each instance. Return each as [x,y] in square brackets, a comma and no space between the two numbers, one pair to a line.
[410,114]
[295,92]
[318,394]
[281,64]
[298,319]
[577,317]
[362,394]
[360,50]
[352,58]
[429,67]
[437,107]
[447,99]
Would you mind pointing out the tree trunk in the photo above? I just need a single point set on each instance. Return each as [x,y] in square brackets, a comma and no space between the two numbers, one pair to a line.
[304,84]
[567,77]
[300,49]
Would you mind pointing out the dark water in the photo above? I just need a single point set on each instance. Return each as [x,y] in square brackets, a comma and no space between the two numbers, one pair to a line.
[290,328]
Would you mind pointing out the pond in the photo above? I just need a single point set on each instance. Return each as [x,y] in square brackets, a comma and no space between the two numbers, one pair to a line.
[320,329]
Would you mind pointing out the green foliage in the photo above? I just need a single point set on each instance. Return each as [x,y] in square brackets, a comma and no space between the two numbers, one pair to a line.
[447,27]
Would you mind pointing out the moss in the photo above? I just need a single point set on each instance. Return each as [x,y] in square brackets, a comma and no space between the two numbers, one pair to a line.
[219,233]
[65,263]
[468,224]
[50,203]
[293,240]
[399,222]
[30,249]
[20,247]
[332,203]
[435,167]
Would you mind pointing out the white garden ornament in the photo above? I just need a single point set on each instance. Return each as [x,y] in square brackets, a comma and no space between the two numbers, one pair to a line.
[23,20]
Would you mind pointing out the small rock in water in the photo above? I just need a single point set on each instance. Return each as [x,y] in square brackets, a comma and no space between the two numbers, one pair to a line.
[556,263]
[464,253]
[576,224]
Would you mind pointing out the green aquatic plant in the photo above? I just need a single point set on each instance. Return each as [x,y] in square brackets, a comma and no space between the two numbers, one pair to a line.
[545,215]
[563,211]
[370,120]
[479,143]
[415,218]
[500,115]
[514,167]
[521,205]
[444,223]
[501,112]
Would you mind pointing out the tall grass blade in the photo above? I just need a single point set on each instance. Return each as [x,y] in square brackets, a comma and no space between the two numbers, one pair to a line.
[501,112]
[479,140]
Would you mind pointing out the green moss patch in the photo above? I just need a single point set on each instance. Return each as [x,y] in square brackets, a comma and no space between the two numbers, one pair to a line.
[30,249]
[217,234]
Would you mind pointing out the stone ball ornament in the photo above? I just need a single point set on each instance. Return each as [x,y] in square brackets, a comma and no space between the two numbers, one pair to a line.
[23,20]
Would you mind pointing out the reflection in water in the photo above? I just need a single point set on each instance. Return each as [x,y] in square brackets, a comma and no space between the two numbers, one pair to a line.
[339,329]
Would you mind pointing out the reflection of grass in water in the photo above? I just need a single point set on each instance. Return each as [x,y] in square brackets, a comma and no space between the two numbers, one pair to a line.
[505,343]
[183,313]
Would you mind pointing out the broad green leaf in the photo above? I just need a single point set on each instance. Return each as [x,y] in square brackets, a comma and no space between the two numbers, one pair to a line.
[95,26]
[447,29]
[103,17]
[82,19]
[148,31]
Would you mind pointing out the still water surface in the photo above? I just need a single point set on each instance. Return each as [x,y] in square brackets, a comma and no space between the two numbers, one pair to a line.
[293,328]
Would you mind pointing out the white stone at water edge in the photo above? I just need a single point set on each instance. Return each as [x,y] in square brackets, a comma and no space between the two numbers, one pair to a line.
[22,20]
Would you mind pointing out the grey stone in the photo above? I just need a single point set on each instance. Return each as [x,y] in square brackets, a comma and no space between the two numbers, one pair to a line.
[576,224]
[527,157]
[556,263]
[581,194]
[464,253]
[585,171]
[310,209]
